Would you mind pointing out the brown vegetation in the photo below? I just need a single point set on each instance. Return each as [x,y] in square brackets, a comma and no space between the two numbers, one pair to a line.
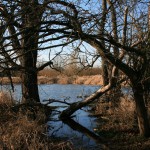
[49,76]
[69,72]
[49,73]
[6,80]
[20,131]
[119,125]
[62,79]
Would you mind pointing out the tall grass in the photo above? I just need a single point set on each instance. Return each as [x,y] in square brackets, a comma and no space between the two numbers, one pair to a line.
[19,131]
[121,117]
[119,125]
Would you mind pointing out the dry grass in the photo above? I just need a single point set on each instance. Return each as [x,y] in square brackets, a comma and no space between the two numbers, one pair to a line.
[49,73]
[84,72]
[90,76]
[70,72]
[119,126]
[89,80]
[19,131]
[121,117]
[6,80]
[61,79]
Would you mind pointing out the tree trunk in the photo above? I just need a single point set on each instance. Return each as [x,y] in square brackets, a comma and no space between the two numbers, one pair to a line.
[114,94]
[29,43]
[28,61]
[105,77]
[29,87]
[141,110]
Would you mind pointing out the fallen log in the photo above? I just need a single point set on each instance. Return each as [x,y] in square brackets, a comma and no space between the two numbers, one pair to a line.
[78,105]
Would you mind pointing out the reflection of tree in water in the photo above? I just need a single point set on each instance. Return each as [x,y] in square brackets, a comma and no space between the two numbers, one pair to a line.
[83,137]
[78,127]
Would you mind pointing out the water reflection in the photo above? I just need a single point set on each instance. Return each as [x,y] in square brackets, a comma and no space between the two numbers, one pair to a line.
[82,136]
[78,127]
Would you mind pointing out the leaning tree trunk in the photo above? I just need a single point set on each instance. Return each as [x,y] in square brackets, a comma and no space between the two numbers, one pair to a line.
[141,110]
[78,105]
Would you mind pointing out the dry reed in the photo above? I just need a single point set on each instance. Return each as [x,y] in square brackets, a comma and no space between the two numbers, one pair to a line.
[119,125]
[121,117]
[19,131]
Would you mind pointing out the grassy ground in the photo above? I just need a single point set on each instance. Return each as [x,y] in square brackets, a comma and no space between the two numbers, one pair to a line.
[23,129]
[119,126]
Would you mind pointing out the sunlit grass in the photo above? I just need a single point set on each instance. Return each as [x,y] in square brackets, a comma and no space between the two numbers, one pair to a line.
[70,72]
[49,76]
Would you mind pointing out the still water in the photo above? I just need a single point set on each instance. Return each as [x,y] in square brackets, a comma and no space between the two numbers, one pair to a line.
[80,130]
[69,93]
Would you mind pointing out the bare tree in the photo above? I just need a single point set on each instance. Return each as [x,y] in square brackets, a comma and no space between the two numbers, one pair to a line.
[28,27]
[127,51]
[133,47]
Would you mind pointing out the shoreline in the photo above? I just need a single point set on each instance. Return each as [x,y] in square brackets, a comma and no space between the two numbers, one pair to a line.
[60,79]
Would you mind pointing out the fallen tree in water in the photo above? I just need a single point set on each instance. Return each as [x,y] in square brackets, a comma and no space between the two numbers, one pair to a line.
[78,105]
[73,107]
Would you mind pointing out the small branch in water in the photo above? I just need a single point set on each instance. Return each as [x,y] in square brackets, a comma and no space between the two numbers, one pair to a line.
[49,101]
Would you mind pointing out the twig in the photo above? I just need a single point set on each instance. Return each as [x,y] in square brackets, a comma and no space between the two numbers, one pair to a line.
[49,101]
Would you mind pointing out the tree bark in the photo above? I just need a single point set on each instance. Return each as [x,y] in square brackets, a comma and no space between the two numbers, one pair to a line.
[78,105]
[29,87]
[141,110]
[105,72]
[29,43]
[28,61]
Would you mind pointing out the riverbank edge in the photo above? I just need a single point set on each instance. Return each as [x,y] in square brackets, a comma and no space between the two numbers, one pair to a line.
[60,79]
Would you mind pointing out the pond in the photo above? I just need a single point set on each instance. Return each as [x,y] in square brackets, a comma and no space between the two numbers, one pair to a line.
[80,130]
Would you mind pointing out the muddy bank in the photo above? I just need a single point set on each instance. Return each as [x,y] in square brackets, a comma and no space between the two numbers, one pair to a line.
[87,80]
